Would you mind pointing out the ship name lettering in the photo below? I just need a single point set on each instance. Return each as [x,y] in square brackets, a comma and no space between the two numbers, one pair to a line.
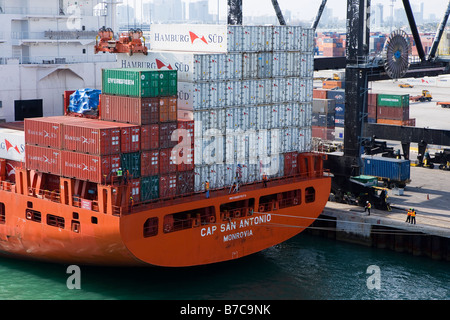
[208,231]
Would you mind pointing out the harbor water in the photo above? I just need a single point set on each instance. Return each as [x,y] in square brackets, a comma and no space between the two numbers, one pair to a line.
[303,268]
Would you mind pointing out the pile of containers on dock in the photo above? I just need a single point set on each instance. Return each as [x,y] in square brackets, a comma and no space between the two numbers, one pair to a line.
[394,109]
[249,90]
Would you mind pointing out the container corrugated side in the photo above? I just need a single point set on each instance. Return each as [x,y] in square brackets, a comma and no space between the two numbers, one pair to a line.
[87,166]
[393,100]
[132,163]
[133,110]
[47,131]
[43,159]
[149,188]
[168,185]
[12,144]
[149,163]
[389,168]
[168,109]
[149,137]
[185,182]
[130,82]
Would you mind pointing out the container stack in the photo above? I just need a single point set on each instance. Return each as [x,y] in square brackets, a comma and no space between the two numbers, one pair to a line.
[249,90]
[394,109]
[323,118]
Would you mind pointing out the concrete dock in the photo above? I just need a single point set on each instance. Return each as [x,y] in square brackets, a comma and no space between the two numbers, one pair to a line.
[428,193]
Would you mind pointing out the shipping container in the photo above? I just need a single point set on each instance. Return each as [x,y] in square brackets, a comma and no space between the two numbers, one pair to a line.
[251,38]
[331,84]
[47,131]
[131,162]
[43,159]
[168,185]
[217,120]
[320,93]
[135,189]
[233,66]
[149,188]
[217,95]
[410,122]
[130,82]
[372,111]
[387,168]
[95,168]
[132,110]
[395,113]
[293,64]
[149,163]
[249,65]
[168,109]
[372,99]
[324,106]
[12,144]
[265,65]
[130,138]
[337,95]
[393,100]
[185,182]
[293,38]
[149,137]
[232,93]
[290,164]
[322,133]
[195,96]
[184,158]
[167,161]
[168,135]
[186,132]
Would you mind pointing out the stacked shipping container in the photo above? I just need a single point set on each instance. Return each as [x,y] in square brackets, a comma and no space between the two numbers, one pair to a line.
[394,109]
[249,91]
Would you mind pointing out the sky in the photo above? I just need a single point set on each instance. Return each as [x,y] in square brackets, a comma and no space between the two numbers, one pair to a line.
[308,8]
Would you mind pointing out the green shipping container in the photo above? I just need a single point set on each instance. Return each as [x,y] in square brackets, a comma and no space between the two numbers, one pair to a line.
[149,188]
[139,82]
[393,100]
[132,163]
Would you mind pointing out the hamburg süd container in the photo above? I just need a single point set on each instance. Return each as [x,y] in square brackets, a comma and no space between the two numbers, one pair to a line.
[43,159]
[168,109]
[149,163]
[47,131]
[89,167]
[132,110]
[12,144]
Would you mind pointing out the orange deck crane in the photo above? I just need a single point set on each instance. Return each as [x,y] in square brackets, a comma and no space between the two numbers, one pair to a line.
[129,43]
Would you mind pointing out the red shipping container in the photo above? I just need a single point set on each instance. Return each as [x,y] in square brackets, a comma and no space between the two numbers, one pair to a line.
[149,163]
[87,166]
[135,192]
[66,99]
[323,133]
[319,94]
[167,161]
[185,182]
[372,111]
[184,156]
[185,130]
[168,137]
[46,131]
[149,137]
[168,109]
[130,109]
[168,185]
[93,137]
[290,164]
[394,113]
[43,159]
[130,138]
[372,99]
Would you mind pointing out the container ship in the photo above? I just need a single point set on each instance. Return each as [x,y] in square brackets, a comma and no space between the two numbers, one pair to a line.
[176,167]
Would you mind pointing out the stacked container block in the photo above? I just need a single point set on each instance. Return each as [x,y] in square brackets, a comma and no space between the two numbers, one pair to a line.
[249,91]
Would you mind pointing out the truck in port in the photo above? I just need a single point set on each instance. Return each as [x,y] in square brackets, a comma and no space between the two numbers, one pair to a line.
[425,96]
[443,104]
[393,172]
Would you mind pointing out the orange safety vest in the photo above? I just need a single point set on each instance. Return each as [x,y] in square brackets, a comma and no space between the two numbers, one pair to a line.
[207,185]
[413,213]
[369,205]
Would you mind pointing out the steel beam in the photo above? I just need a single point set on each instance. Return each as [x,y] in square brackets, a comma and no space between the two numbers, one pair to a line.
[415,33]
[235,12]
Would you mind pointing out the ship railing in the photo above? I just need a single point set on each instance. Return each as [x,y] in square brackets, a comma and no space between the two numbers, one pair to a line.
[6,186]
[199,195]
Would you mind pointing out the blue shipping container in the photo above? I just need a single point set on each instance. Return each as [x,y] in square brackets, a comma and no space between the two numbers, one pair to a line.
[388,168]
[338,95]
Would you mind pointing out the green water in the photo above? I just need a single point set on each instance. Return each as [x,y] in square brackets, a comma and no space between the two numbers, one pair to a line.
[305,267]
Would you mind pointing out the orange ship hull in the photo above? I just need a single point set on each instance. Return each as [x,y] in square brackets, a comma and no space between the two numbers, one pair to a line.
[158,234]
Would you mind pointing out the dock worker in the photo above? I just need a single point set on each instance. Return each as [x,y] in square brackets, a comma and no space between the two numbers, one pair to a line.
[264,177]
[367,207]
[413,216]
[119,174]
[207,188]
[408,218]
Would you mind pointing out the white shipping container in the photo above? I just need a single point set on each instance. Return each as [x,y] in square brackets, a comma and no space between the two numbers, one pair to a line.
[235,37]
[193,96]
[278,90]
[274,117]
[250,39]
[309,90]
[199,183]
[306,65]
[189,37]
[233,119]
[216,175]
[266,38]
[265,65]
[249,65]
[213,147]
[12,144]
[249,118]
[293,37]
[233,93]
[308,114]
[307,40]
[292,64]
[280,38]
[290,139]
[217,119]
[263,117]
[217,67]
[201,122]
[288,117]
[248,92]
[233,68]
[272,165]
[279,64]
[217,93]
